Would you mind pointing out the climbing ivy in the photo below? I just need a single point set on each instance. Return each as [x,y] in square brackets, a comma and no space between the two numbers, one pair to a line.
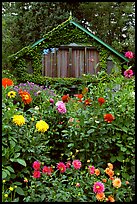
[63,34]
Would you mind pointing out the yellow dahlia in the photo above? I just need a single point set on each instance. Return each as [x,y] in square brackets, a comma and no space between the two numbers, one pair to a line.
[12,94]
[42,126]
[19,120]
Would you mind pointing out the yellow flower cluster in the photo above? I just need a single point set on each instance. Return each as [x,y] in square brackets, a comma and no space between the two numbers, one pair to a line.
[19,120]
[42,126]
[12,94]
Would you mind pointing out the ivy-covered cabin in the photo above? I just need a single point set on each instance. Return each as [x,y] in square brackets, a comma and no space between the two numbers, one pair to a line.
[69,50]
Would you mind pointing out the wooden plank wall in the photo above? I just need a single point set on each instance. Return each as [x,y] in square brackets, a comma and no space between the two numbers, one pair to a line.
[72,62]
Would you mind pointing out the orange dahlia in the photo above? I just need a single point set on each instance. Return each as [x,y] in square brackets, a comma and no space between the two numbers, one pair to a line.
[97,172]
[7,82]
[104,180]
[108,117]
[79,96]
[111,199]
[117,182]
[110,173]
[110,166]
[26,98]
[65,98]
[100,196]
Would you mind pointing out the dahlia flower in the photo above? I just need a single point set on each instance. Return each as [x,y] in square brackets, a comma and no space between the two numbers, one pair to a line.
[12,94]
[117,182]
[61,166]
[129,54]
[100,196]
[36,174]
[7,82]
[19,120]
[101,100]
[128,73]
[48,170]
[61,107]
[76,164]
[36,165]
[98,187]
[26,98]
[42,126]
[108,117]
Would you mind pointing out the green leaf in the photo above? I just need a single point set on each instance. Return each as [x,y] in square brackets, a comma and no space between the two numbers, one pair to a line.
[133,169]
[17,183]
[21,161]
[133,161]
[4,174]
[130,138]
[126,176]
[10,169]
[19,191]
[17,155]
[113,159]
[71,145]
[16,200]
[86,145]
[90,131]
[124,128]
[125,66]
[123,149]
[120,158]
[12,143]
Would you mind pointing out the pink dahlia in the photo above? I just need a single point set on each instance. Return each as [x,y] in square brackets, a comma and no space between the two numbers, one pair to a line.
[48,170]
[36,174]
[91,169]
[129,54]
[61,107]
[36,165]
[98,187]
[128,73]
[61,166]
[76,164]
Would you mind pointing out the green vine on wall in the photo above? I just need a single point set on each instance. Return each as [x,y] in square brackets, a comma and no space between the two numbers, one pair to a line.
[63,34]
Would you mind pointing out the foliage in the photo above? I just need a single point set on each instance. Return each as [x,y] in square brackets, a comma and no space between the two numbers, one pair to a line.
[80,133]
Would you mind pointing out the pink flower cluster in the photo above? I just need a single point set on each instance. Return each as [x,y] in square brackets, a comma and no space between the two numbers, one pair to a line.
[61,107]
[36,167]
[60,166]
[37,173]
[128,73]
[129,54]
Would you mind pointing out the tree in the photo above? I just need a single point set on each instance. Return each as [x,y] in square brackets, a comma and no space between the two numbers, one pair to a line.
[110,21]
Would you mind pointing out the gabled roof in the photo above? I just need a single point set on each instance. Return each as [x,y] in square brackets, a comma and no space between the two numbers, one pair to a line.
[69,20]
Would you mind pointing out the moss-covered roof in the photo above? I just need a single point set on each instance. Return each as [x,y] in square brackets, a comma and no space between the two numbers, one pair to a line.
[71,21]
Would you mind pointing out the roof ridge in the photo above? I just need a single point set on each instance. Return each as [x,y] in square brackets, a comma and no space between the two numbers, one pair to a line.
[57,27]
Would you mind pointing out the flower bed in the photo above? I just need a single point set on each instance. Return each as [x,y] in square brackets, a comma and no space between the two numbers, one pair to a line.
[68,148]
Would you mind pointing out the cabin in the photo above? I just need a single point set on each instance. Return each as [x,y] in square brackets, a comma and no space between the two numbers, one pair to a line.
[69,50]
